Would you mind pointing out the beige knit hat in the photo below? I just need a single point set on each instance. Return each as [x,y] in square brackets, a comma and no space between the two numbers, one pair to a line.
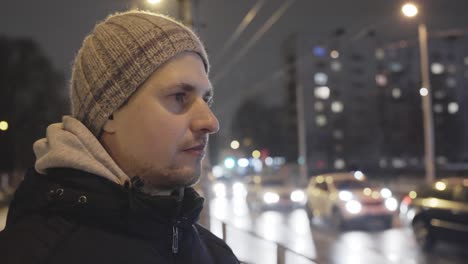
[118,56]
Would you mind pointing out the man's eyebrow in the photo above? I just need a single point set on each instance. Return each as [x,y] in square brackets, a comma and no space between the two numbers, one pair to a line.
[190,88]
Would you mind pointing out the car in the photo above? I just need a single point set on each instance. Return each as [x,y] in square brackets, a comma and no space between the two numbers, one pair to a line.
[437,212]
[347,199]
[227,187]
[268,192]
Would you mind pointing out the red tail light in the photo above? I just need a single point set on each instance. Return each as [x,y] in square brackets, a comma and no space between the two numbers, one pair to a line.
[407,200]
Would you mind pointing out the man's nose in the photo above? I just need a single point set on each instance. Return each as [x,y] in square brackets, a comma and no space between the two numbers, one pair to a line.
[204,119]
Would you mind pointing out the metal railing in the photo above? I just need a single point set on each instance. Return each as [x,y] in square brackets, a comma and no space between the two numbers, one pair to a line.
[281,250]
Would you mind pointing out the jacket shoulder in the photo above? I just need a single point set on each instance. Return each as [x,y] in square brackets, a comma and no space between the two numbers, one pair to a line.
[220,251]
[33,240]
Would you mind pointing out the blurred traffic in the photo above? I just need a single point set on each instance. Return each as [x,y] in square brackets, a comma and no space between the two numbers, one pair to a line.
[249,194]
[437,212]
[348,198]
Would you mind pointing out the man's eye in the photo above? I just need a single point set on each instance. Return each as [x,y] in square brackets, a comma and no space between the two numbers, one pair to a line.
[180,97]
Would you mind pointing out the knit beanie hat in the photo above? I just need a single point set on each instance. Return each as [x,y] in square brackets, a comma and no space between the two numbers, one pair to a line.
[118,56]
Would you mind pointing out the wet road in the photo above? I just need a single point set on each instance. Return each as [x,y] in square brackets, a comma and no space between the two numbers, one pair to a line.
[319,241]
[316,243]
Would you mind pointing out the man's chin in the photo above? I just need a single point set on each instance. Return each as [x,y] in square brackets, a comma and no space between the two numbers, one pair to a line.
[173,178]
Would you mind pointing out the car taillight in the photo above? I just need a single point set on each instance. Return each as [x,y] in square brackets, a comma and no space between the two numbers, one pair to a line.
[407,200]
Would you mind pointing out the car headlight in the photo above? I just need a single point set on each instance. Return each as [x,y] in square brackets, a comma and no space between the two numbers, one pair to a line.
[297,196]
[391,204]
[219,190]
[345,195]
[385,193]
[353,206]
[271,198]
[238,190]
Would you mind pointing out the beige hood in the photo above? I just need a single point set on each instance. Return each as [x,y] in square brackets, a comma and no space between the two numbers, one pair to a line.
[71,145]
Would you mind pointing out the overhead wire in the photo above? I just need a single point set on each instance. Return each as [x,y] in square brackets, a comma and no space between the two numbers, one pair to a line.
[249,17]
[257,36]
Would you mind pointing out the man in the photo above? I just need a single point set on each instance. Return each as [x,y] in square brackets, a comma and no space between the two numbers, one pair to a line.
[111,183]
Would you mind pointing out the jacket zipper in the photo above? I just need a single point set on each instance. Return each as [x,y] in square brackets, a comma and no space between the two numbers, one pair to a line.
[175,239]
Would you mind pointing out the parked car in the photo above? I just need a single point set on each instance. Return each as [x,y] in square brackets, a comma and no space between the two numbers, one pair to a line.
[273,192]
[348,198]
[437,212]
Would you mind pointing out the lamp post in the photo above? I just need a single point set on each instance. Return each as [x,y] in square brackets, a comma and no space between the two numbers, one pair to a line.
[185,12]
[411,10]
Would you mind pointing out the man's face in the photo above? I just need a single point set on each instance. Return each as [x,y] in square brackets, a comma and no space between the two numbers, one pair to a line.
[161,133]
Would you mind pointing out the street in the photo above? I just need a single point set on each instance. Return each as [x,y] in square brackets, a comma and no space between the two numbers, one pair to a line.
[317,242]
[320,242]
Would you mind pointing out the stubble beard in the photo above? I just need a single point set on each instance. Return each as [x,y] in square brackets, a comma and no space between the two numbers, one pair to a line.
[170,178]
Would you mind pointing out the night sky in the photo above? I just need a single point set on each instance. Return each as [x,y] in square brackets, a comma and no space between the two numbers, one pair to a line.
[59,26]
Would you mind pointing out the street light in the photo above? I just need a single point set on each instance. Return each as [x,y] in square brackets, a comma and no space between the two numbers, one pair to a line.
[3,125]
[411,10]
[153,2]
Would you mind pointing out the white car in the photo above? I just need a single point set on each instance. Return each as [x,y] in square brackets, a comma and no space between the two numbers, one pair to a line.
[264,192]
[347,198]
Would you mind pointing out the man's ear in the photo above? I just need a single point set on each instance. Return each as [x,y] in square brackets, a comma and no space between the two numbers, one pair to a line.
[110,125]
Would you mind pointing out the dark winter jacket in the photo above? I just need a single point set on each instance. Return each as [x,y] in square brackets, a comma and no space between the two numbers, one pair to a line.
[70,216]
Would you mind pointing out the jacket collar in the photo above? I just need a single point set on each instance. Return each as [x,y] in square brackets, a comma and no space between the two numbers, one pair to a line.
[96,201]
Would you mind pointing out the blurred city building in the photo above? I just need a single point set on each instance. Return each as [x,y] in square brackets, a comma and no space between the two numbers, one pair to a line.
[362,102]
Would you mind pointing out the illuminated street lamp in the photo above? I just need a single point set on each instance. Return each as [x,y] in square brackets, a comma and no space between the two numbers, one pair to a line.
[411,10]
[153,2]
[3,125]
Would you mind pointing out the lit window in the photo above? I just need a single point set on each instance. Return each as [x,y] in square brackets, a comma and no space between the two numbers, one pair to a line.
[380,54]
[452,108]
[319,51]
[439,94]
[438,108]
[466,61]
[452,69]
[338,134]
[318,106]
[437,68]
[396,93]
[383,163]
[441,160]
[321,78]
[451,82]
[339,164]
[381,79]
[322,92]
[335,66]
[321,120]
[398,163]
[396,67]
[334,54]
[338,148]
[337,107]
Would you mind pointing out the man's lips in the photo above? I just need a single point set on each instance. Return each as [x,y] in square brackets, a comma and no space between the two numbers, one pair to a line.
[198,150]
